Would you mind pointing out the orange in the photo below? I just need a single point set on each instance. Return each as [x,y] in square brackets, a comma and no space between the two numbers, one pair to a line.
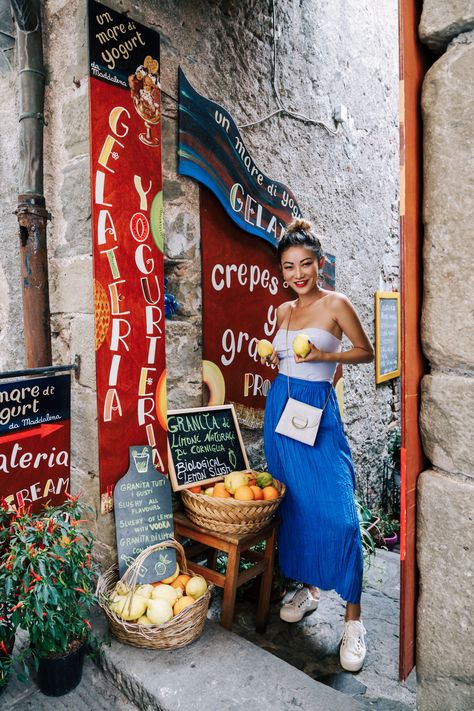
[244,493]
[220,492]
[270,493]
[181,581]
[195,489]
[257,492]
[183,602]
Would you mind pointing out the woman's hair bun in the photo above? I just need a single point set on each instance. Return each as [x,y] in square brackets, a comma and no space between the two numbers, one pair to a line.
[298,225]
[299,233]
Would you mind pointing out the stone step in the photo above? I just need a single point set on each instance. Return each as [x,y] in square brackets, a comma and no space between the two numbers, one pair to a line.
[219,672]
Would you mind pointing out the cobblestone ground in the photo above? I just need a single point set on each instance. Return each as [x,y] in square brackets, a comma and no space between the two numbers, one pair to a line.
[312,645]
[95,693]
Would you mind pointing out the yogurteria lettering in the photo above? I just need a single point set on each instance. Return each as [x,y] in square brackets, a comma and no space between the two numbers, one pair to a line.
[114,246]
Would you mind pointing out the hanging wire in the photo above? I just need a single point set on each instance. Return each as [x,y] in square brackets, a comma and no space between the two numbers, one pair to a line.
[282,108]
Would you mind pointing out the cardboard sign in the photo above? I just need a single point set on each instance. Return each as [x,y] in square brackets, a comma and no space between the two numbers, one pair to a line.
[127,228]
[387,335]
[35,429]
[144,516]
[204,444]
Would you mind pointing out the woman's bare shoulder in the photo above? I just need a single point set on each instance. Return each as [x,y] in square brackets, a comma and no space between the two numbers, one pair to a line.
[282,311]
[336,300]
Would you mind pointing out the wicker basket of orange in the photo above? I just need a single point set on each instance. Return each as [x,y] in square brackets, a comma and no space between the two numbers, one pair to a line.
[243,502]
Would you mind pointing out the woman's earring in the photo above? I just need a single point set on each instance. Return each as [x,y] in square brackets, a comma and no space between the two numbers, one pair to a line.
[285,285]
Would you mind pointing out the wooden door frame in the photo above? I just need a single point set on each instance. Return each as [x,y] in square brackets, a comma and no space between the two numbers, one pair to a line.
[414,62]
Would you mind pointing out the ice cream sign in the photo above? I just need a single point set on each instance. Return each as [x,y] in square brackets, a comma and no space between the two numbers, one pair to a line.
[127,216]
[35,441]
[212,151]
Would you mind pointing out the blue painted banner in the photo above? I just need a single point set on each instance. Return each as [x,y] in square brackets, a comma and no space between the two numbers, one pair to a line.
[212,151]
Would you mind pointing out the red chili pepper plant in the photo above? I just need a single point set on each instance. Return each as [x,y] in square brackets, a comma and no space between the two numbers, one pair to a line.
[49,577]
[7,630]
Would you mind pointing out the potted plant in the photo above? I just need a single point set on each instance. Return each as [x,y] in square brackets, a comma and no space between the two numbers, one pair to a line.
[49,571]
[386,534]
[7,629]
[367,523]
[7,641]
[393,453]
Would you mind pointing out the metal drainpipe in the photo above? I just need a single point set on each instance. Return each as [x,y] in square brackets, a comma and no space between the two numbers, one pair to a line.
[31,211]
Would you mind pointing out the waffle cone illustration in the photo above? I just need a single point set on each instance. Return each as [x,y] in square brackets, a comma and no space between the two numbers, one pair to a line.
[101,314]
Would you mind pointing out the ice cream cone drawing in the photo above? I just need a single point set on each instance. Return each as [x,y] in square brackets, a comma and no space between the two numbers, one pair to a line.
[145,91]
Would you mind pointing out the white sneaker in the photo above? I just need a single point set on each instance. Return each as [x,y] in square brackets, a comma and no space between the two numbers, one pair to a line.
[301,603]
[353,650]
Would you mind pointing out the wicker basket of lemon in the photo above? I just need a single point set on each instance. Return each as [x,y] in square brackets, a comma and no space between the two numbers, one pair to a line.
[164,615]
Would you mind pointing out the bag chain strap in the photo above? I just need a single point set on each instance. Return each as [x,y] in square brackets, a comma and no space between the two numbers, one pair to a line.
[288,361]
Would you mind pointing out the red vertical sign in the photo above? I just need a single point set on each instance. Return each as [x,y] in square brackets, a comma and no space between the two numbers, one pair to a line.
[127,233]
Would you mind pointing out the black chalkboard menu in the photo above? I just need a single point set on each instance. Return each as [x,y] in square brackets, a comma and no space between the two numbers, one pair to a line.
[204,444]
[387,335]
[143,516]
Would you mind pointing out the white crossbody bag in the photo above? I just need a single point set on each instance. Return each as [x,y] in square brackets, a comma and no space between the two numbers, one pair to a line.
[299,420]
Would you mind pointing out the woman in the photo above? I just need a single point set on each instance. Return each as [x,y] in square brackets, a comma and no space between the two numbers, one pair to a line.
[319,538]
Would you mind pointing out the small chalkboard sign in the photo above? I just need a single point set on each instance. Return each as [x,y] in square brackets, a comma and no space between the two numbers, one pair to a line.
[144,516]
[387,335]
[204,444]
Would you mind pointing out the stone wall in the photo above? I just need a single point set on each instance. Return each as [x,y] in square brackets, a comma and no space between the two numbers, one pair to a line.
[445,539]
[330,52]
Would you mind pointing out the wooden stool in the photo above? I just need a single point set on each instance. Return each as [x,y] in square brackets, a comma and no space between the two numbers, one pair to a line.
[236,545]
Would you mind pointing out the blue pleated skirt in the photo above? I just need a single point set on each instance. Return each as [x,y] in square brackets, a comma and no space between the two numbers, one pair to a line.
[319,539]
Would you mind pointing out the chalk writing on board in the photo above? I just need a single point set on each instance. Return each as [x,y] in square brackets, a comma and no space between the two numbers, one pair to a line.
[388,336]
[144,516]
[204,444]
[387,331]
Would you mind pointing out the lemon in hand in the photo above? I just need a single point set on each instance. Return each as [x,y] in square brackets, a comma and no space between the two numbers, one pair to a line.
[264,348]
[301,345]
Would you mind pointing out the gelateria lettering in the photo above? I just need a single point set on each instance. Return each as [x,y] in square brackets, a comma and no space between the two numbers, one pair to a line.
[28,460]
[253,212]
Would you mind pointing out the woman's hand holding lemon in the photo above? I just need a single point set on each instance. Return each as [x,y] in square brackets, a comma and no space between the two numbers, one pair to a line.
[305,351]
[267,353]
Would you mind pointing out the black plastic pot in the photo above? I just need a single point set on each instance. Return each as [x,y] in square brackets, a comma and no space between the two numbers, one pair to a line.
[59,675]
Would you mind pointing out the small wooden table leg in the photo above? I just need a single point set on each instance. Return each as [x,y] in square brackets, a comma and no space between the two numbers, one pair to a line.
[212,558]
[230,588]
[266,584]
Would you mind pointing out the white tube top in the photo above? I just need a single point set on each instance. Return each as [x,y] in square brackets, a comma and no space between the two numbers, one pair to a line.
[322,339]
